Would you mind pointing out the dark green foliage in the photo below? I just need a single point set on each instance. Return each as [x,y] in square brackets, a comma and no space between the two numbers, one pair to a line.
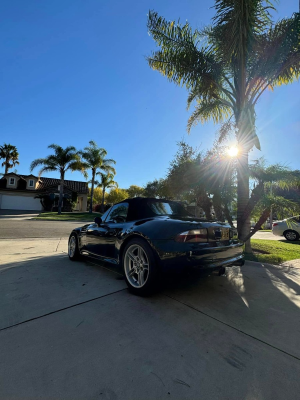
[226,67]
[158,188]
[135,191]
[62,160]
[10,155]
[95,160]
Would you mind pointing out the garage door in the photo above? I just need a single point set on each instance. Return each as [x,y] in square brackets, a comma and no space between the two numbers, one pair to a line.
[20,203]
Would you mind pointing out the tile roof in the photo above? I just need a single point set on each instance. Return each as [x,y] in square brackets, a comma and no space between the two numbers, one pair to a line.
[45,183]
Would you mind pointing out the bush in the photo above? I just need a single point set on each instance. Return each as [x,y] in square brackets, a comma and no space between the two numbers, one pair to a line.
[98,207]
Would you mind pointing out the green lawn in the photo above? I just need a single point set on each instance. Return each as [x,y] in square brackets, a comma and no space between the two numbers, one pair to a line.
[274,251]
[68,216]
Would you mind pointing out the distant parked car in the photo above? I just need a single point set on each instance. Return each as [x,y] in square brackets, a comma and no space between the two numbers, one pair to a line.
[267,225]
[145,236]
[289,228]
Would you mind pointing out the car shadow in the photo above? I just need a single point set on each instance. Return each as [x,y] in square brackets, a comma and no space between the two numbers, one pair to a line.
[41,284]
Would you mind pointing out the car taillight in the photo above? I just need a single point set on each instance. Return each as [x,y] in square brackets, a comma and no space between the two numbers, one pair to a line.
[197,235]
[275,224]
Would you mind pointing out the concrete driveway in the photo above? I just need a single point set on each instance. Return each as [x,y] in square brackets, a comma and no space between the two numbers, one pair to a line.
[71,330]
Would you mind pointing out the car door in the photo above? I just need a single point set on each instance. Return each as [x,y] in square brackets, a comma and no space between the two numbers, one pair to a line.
[115,223]
[94,237]
[95,243]
[100,240]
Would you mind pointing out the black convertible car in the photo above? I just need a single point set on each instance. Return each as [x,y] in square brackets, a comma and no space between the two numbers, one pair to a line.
[146,236]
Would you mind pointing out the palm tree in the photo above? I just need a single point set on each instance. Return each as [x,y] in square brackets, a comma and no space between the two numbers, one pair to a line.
[226,68]
[266,178]
[10,154]
[62,160]
[106,182]
[95,160]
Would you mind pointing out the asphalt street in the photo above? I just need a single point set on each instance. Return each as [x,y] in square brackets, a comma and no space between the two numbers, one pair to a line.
[71,330]
[22,227]
[26,228]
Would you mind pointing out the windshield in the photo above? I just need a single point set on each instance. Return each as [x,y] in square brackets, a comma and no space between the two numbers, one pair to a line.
[168,208]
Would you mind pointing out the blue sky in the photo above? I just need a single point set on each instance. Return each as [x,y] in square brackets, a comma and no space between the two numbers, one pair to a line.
[75,70]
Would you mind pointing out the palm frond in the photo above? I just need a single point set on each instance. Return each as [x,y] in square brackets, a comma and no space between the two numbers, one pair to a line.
[179,59]
[37,162]
[237,24]
[77,165]
[205,111]
[47,168]
[276,57]
[226,128]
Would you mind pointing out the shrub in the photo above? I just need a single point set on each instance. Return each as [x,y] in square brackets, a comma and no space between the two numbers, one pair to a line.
[97,208]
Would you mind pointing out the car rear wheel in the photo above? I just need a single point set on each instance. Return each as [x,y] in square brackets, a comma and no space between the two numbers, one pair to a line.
[73,249]
[291,235]
[140,268]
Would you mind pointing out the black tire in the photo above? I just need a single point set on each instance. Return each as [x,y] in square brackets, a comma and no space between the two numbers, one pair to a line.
[150,274]
[222,271]
[291,235]
[73,255]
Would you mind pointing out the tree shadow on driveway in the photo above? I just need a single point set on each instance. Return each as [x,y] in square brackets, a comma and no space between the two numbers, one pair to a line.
[260,300]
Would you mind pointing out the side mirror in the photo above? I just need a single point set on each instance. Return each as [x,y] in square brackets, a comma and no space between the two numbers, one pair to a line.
[98,220]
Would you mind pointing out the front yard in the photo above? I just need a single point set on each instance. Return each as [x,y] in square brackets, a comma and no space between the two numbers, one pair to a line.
[68,216]
[274,251]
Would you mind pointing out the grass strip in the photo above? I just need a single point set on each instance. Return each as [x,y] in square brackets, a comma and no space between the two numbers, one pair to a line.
[273,251]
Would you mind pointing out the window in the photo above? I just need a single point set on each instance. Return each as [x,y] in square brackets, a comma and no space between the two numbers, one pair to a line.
[31,183]
[167,208]
[118,213]
[11,181]
[105,214]
[296,219]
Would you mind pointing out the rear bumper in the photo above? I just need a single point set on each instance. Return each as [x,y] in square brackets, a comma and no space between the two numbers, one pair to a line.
[277,232]
[201,257]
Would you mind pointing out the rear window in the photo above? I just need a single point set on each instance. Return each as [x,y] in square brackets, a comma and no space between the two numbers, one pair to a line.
[296,219]
[167,208]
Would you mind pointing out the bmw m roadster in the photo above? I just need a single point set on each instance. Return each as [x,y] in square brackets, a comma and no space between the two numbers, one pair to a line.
[146,236]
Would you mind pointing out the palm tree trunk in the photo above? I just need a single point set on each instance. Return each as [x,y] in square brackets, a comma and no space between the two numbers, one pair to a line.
[6,166]
[205,203]
[228,215]
[217,204]
[92,190]
[61,191]
[103,194]
[261,221]
[243,223]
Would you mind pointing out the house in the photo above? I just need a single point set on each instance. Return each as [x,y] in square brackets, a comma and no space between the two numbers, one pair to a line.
[30,192]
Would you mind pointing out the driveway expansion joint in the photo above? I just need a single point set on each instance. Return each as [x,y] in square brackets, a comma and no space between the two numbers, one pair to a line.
[58,244]
[233,327]
[61,309]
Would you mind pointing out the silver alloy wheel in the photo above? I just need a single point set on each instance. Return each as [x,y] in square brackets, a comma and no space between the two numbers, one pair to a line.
[72,246]
[291,235]
[136,266]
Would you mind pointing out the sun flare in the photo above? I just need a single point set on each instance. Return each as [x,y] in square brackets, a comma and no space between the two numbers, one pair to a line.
[233,151]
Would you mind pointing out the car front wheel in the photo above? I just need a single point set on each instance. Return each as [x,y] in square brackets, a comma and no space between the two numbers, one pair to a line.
[73,249]
[140,267]
[291,235]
